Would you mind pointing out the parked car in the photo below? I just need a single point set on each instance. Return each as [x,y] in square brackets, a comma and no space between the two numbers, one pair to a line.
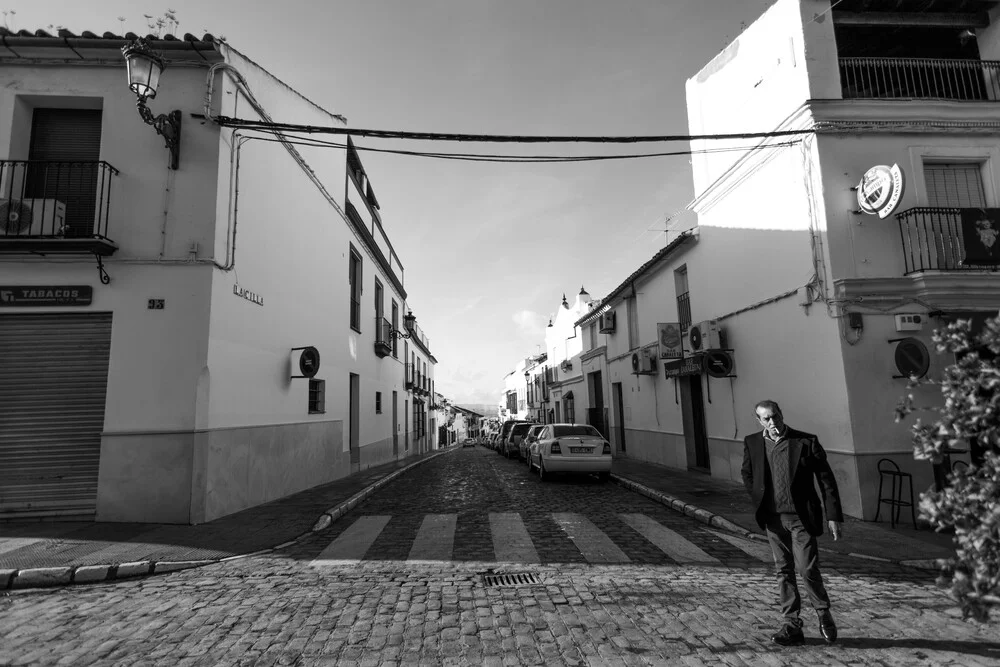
[504,432]
[570,448]
[512,446]
[468,442]
[532,436]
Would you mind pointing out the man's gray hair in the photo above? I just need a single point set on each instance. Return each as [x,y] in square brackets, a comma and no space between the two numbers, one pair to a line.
[769,405]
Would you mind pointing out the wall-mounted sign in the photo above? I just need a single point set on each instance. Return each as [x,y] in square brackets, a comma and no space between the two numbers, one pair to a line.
[20,296]
[252,297]
[686,366]
[880,190]
[670,340]
[305,360]
[981,236]
[718,363]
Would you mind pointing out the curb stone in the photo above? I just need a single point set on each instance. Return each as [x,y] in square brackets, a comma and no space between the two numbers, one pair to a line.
[40,577]
[719,521]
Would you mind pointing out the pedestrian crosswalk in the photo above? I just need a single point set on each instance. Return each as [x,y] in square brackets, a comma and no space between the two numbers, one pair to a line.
[434,540]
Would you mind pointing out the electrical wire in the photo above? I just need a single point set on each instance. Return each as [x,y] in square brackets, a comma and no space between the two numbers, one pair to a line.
[496,138]
[485,157]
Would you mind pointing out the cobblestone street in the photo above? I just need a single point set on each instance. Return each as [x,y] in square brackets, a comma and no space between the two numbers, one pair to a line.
[387,607]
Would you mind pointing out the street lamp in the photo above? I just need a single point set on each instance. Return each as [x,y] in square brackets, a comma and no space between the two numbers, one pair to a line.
[144,69]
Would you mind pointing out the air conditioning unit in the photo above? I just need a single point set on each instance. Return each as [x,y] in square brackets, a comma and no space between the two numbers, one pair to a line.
[606,323]
[703,336]
[566,365]
[31,217]
[643,362]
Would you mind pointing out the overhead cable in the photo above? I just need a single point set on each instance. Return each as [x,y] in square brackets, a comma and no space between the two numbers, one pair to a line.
[486,157]
[496,138]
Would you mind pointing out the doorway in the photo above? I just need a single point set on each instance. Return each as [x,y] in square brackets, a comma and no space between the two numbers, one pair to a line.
[619,402]
[355,417]
[395,424]
[695,431]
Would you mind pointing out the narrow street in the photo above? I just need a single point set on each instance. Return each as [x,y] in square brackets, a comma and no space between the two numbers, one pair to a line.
[468,560]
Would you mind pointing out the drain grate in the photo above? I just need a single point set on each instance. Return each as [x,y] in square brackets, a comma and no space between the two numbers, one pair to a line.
[507,580]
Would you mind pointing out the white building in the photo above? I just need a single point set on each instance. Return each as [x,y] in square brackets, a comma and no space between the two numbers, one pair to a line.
[152,318]
[806,299]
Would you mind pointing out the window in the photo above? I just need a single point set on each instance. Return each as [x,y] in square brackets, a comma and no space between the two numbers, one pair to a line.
[379,302]
[683,297]
[378,402]
[954,185]
[577,429]
[571,410]
[633,322]
[354,276]
[395,327]
[317,396]
[592,335]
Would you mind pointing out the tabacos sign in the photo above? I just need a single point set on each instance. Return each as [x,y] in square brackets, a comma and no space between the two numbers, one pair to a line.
[880,190]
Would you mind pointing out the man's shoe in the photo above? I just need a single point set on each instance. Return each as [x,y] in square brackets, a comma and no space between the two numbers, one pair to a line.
[789,636]
[827,627]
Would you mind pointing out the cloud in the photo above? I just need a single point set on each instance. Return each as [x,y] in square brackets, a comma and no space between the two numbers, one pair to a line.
[529,323]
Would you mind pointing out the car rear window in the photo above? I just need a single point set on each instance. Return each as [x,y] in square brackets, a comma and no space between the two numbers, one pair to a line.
[520,429]
[560,431]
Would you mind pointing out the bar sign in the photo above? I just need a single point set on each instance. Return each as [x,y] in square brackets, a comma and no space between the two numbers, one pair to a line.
[25,296]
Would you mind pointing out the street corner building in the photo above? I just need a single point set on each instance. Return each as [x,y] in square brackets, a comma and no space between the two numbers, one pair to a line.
[819,254]
[197,314]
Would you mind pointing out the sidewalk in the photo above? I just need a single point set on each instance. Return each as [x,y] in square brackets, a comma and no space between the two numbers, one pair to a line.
[726,505]
[59,553]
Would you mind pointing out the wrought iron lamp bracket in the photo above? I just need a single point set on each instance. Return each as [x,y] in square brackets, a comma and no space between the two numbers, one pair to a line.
[396,333]
[167,126]
[105,278]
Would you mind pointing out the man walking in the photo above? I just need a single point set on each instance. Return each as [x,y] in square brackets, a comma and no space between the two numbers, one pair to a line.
[779,467]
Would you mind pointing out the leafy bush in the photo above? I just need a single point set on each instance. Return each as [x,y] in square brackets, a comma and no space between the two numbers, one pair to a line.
[970,504]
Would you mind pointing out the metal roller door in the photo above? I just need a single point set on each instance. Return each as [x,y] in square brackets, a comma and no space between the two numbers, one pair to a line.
[53,382]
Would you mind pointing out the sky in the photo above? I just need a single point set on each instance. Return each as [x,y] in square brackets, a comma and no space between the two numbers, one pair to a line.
[488,249]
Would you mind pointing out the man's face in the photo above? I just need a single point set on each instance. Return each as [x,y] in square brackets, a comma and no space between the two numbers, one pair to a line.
[771,420]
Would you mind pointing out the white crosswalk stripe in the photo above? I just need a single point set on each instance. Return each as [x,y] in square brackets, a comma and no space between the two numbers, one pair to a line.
[511,542]
[758,550]
[595,546]
[668,541]
[435,539]
[352,544]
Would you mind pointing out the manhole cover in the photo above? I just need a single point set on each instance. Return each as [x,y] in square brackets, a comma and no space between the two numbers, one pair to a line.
[505,580]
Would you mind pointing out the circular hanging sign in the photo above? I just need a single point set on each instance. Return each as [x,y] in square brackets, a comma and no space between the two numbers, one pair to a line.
[911,357]
[718,363]
[880,190]
[309,362]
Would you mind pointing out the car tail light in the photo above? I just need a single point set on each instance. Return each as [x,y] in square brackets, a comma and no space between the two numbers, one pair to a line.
[555,449]
[607,448]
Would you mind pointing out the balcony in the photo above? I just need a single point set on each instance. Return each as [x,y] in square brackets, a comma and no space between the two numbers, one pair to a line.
[919,78]
[383,337]
[950,239]
[410,376]
[55,207]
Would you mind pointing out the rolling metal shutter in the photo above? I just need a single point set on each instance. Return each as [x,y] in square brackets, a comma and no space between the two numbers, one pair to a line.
[53,382]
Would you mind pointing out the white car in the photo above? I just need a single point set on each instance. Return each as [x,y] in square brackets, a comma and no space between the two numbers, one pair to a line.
[575,448]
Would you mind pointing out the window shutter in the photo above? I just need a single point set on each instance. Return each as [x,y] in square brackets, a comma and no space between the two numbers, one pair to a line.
[954,185]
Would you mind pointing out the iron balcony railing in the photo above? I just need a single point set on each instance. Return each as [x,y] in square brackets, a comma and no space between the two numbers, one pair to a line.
[43,199]
[936,239]
[383,336]
[920,78]
[409,376]
[684,310]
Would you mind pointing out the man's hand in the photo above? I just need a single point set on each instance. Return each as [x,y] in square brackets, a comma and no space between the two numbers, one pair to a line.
[835,530]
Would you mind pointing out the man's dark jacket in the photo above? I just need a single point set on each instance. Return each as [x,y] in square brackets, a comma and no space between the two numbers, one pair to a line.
[807,462]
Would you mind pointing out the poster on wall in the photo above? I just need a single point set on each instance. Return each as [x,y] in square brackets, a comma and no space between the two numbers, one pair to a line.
[671,342]
[981,236]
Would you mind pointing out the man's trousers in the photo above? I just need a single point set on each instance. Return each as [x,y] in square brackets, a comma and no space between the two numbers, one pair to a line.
[795,551]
